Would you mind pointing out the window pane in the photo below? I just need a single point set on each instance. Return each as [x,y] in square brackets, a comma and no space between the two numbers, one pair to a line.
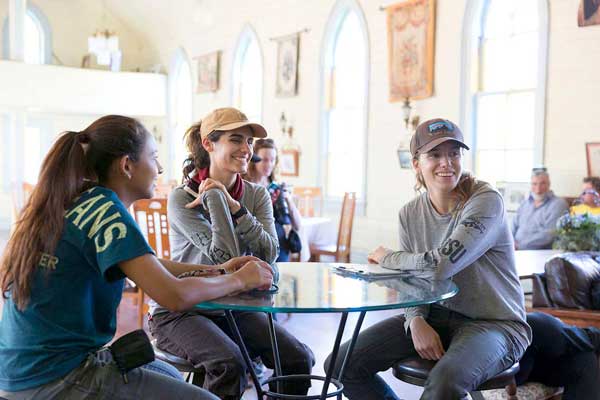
[491,165]
[183,114]
[523,56]
[495,56]
[33,41]
[518,165]
[491,121]
[346,150]
[32,142]
[520,121]
[249,83]
[526,16]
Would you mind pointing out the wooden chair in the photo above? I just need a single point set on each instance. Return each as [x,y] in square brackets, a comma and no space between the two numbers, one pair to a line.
[306,198]
[151,216]
[341,250]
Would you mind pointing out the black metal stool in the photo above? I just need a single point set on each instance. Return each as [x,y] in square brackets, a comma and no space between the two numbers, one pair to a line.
[416,371]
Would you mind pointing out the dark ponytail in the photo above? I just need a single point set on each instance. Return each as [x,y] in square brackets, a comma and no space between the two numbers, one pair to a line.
[198,157]
[76,162]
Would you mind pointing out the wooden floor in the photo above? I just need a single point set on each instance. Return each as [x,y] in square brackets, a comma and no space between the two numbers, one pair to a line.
[316,330]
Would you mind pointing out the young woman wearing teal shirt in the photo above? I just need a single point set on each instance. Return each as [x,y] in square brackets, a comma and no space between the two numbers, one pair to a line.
[63,268]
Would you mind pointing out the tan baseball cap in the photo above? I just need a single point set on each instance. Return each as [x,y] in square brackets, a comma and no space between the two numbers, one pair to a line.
[434,132]
[226,119]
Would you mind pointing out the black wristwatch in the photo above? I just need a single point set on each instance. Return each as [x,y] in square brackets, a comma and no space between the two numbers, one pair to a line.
[242,211]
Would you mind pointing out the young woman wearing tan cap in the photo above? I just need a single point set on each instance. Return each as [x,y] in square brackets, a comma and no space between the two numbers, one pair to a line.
[456,229]
[215,216]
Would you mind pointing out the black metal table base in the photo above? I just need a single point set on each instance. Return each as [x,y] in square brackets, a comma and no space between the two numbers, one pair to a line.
[278,377]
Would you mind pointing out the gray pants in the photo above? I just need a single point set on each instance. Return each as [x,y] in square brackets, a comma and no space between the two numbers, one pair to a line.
[475,351]
[205,340]
[100,380]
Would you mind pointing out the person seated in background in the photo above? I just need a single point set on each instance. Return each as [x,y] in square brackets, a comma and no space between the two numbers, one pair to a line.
[534,224]
[63,269]
[589,200]
[287,217]
[215,216]
[562,355]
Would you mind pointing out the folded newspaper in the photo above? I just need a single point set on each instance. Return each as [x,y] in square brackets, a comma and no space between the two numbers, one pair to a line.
[369,271]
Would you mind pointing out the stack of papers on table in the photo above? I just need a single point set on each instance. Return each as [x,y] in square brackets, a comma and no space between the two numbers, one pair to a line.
[369,271]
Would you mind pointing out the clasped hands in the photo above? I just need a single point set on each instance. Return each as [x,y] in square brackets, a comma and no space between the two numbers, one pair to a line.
[252,272]
[209,183]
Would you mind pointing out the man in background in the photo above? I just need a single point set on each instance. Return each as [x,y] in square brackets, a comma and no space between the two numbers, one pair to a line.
[535,222]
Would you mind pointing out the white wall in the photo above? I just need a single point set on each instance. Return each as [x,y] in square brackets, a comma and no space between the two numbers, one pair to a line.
[158,28]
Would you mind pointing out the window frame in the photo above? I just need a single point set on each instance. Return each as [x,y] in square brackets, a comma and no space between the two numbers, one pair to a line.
[177,60]
[472,35]
[247,36]
[43,24]
[333,26]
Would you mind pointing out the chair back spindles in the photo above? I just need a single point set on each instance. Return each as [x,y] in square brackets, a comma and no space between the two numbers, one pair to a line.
[309,200]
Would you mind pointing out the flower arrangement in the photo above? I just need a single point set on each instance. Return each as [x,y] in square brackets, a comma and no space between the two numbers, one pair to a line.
[578,233]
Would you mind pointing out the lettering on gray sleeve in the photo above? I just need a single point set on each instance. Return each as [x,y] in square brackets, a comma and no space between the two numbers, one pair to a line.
[219,254]
[453,249]
[202,239]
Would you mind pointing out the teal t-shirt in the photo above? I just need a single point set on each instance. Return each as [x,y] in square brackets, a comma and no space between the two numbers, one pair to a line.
[74,296]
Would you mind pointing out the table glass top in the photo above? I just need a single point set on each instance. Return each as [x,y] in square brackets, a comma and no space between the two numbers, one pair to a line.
[317,287]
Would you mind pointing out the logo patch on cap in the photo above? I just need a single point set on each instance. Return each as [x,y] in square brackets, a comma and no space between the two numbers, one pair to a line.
[438,126]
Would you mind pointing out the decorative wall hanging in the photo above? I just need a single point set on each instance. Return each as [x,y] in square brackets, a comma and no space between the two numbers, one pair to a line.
[592,154]
[288,48]
[589,13]
[411,31]
[208,72]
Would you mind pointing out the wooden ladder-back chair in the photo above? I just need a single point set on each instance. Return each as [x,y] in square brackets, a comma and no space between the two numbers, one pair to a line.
[151,216]
[341,250]
[309,200]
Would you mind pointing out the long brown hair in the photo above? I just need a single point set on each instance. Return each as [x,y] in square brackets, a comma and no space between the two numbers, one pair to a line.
[267,143]
[198,157]
[76,162]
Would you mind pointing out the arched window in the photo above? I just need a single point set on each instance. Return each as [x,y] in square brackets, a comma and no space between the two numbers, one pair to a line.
[37,37]
[247,87]
[180,110]
[345,88]
[505,55]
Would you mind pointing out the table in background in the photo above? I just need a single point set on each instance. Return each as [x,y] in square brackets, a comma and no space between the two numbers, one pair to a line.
[318,231]
[317,288]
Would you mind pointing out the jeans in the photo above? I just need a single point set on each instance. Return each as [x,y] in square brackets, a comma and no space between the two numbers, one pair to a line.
[206,341]
[562,355]
[476,350]
[97,379]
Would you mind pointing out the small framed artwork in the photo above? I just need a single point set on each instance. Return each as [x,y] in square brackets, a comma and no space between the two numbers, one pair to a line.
[287,65]
[592,155]
[514,193]
[288,163]
[208,72]
[589,13]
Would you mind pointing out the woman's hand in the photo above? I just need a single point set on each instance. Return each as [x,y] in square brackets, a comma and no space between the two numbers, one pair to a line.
[426,340]
[255,275]
[377,255]
[236,263]
[207,184]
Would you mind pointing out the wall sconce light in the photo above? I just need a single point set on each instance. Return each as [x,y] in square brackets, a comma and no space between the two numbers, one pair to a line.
[407,111]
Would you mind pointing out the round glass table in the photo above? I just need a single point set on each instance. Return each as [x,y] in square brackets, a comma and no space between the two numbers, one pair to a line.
[321,288]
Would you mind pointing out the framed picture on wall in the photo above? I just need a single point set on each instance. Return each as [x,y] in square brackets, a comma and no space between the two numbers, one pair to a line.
[411,30]
[592,155]
[288,163]
[514,193]
[287,65]
[208,72]
[589,13]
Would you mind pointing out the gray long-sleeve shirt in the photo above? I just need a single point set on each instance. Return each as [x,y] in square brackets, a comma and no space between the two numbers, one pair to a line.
[211,237]
[474,248]
[533,227]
